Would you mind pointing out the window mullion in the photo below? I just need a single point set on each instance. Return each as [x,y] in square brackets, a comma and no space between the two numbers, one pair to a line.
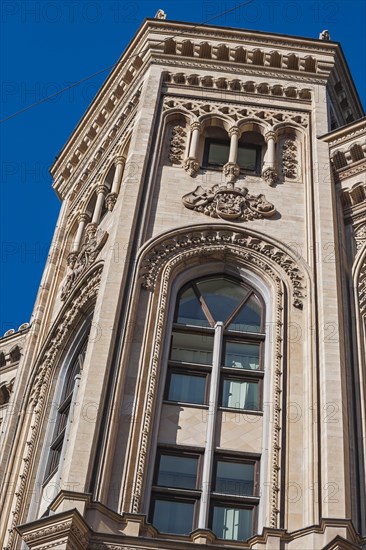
[208,456]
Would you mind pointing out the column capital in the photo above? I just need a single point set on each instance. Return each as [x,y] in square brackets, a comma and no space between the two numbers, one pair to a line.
[270,135]
[196,126]
[234,131]
[119,160]
[102,189]
[83,217]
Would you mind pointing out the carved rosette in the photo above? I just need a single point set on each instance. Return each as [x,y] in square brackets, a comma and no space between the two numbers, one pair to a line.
[110,201]
[191,166]
[228,203]
[289,159]
[177,145]
[270,176]
[79,262]
[231,171]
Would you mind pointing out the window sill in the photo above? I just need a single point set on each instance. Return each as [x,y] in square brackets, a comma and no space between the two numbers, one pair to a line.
[241,411]
[183,404]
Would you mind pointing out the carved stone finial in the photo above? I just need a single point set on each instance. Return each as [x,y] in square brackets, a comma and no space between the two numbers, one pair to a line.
[110,201]
[160,14]
[191,166]
[324,35]
[270,176]
[231,171]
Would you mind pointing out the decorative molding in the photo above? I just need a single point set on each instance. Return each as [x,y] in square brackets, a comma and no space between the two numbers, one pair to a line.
[177,144]
[290,159]
[240,243]
[350,171]
[236,112]
[362,287]
[228,203]
[79,262]
[252,70]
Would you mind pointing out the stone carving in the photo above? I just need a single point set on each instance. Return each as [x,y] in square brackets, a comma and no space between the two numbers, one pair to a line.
[177,145]
[160,14]
[78,262]
[239,242]
[236,112]
[228,203]
[231,171]
[289,159]
[360,236]
[324,35]
[110,201]
[191,165]
[270,176]
[362,290]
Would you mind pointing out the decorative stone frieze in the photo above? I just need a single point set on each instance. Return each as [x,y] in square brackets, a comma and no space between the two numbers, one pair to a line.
[236,85]
[177,144]
[79,262]
[235,112]
[228,203]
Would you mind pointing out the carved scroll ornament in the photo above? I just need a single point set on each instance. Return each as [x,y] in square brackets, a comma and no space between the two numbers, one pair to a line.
[228,203]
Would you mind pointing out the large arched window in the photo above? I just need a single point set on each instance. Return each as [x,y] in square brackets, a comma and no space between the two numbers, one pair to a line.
[63,410]
[216,363]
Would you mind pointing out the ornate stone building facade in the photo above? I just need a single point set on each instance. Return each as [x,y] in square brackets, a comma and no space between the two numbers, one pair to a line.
[194,372]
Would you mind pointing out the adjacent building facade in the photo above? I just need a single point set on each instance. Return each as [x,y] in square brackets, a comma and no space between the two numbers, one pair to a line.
[194,371]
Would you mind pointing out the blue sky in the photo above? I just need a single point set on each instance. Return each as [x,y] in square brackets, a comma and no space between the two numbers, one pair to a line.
[47,45]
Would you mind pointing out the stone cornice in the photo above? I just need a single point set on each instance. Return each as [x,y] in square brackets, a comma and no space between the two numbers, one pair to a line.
[347,133]
[142,51]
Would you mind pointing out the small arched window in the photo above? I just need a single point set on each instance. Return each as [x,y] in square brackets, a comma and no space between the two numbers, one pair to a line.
[216,363]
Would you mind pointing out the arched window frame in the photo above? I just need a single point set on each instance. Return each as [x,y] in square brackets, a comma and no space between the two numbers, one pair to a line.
[266,296]
[65,395]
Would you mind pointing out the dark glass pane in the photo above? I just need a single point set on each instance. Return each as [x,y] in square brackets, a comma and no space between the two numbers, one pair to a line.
[247,158]
[173,516]
[240,394]
[232,523]
[192,348]
[249,317]
[187,388]
[178,471]
[234,478]
[218,153]
[241,355]
[222,296]
[190,311]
